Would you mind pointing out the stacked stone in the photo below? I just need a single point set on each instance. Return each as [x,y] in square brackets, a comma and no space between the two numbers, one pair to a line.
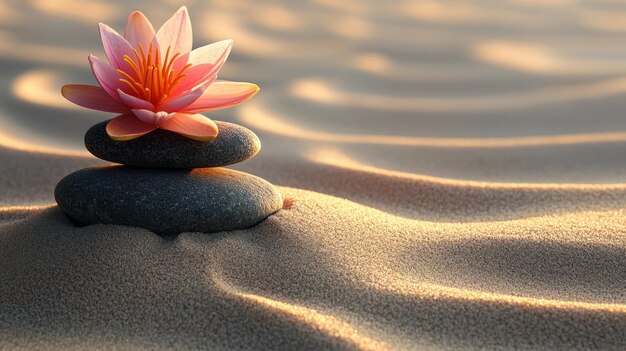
[169,184]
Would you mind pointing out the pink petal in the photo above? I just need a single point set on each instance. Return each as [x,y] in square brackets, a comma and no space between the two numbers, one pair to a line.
[179,102]
[196,127]
[176,33]
[207,61]
[115,46]
[195,76]
[139,30]
[212,53]
[180,62]
[222,94]
[152,117]
[134,102]
[106,75]
[92,97]
[127,126]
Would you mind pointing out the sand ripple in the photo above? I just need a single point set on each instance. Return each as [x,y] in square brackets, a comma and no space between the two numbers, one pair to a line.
[455,170]
[313,275]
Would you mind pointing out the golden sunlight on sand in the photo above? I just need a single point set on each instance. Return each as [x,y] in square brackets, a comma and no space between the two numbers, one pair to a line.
[323,92]
[336,158]
[258,116]
[88,12]
[310,317]
[540,59]
[41,87]
[452,176]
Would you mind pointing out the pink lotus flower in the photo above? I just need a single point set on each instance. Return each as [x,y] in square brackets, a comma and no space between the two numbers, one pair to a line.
[155,81]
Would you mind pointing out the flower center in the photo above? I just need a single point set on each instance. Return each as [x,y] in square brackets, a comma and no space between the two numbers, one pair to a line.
[151,78]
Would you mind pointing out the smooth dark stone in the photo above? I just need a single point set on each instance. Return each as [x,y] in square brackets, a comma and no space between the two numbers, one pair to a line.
[167,201]
[164,149]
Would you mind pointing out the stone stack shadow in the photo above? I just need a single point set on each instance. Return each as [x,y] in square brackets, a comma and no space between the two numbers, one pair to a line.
[169,184]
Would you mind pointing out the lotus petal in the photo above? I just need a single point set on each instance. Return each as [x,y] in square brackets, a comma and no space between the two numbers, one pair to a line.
[127,126]
[179,102]
[222,94]
[139,30]
[134,102]
[115,46]
[206,61]
[176,33]
[197,127]
[106,75]
[92,97]
[152,117]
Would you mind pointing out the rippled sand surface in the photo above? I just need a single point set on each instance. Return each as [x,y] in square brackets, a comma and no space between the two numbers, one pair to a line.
[453,174]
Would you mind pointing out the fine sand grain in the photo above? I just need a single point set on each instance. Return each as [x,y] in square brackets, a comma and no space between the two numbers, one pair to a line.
[453,173]
[324,272]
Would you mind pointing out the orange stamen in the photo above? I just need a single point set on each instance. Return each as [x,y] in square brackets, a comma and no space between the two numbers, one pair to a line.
[139,60]
[130,79]
[130,85]
[150,75]
[150,55]
[132,65]
[167,54]
[169,65]
[155,78]
[143,54]
[177,80]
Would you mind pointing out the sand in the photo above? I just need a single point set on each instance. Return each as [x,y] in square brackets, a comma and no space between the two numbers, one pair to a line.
[453,176]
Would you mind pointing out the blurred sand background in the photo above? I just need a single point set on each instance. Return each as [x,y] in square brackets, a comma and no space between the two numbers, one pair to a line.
[454,176]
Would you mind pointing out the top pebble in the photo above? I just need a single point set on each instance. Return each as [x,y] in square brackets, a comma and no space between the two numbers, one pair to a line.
[164,149]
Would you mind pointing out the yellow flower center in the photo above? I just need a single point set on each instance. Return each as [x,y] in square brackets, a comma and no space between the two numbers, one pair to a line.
[151,78]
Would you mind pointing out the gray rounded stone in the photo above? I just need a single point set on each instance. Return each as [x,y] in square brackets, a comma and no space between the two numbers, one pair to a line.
[167,201]
[164,149]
